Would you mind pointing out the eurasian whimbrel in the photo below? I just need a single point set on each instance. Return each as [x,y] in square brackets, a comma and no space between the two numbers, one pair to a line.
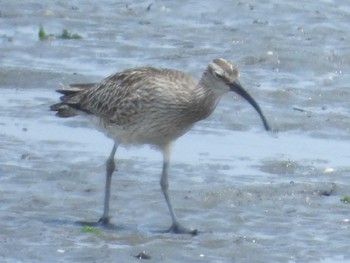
[152,106]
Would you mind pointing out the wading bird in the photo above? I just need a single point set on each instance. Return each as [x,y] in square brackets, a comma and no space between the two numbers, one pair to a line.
[153,106]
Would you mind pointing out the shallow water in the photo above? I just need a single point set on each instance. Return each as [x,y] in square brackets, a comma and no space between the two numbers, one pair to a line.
[254,196]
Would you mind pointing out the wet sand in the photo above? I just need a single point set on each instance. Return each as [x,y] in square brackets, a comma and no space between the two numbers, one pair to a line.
[254,196]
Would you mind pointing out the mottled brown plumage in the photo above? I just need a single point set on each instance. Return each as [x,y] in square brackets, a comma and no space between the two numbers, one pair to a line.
[151,106]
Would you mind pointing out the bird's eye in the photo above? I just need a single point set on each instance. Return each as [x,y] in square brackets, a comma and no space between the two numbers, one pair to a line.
[217,75]
[220,77]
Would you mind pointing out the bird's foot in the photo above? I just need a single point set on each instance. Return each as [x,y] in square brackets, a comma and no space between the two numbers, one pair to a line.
[177,228]
[104,221]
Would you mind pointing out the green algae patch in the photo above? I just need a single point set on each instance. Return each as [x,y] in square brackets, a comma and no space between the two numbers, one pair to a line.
[43,35]
[92,230]
[65,35]
[345,199]
[68,35]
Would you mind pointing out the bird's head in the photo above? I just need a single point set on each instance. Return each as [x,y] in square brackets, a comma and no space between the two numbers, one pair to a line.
[222,76]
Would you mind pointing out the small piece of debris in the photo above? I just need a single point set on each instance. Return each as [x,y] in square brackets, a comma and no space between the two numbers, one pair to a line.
[299,109]
[143,255]
[25,156]
[328,170]
[149,7]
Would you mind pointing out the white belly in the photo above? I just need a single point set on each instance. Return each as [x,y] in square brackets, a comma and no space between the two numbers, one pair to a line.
[144,131]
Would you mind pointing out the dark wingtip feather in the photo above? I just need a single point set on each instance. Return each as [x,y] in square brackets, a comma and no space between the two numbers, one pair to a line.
[75,88]
[63,110]
[66,92]
[70,101]
[55,107]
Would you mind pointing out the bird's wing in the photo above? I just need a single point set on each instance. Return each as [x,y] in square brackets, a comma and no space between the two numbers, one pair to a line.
[117,99]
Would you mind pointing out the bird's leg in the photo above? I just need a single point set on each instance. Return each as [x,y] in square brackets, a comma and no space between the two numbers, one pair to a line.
[110,168]
[176,227]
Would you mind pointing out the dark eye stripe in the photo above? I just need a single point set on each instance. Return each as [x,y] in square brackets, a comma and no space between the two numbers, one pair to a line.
[222,78]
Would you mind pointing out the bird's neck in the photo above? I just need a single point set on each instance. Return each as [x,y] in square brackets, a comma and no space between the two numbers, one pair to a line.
[204,101]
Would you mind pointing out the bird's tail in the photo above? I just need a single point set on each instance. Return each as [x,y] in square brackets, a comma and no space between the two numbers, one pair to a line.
[70,99]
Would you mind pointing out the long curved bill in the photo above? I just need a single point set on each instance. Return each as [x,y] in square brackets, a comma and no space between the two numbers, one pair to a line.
[237,88]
